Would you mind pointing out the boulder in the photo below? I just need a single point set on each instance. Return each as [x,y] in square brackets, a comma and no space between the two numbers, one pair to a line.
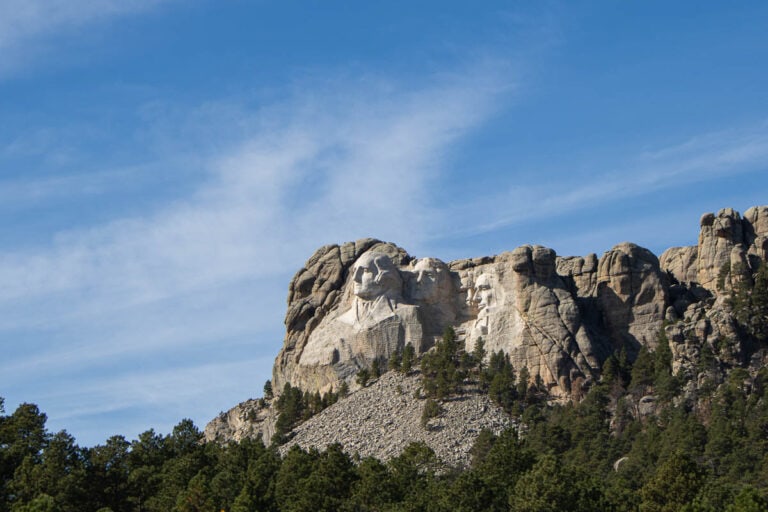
[681,263]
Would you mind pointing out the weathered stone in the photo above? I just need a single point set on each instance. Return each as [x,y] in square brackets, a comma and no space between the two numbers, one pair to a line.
[520,305]
[360,321]
[362,301]
[719,234]
[632,296]
[558,317]
[681,263]
[582,272]
[729,247]
[757,218]
[249,419]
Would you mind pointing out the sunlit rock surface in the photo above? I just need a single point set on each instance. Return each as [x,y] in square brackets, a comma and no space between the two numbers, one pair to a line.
[560,317]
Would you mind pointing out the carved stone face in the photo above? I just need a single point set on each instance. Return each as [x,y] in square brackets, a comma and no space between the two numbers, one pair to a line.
[432,281]
[484,295]
[375,275]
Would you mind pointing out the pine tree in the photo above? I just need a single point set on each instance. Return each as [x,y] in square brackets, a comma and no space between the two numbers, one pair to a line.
[409,356]
[363,376]
[665,384]
[478,354]
[375,369]
[523,383]
[643,370]
[395,361]
[440,368]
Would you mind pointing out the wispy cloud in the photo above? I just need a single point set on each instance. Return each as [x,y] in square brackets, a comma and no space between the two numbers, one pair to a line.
[28,26]
[20,194]
[701,158]
[329,173]
[325,166]
[154,387]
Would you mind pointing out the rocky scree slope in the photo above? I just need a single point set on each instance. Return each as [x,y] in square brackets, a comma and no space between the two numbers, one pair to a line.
[382,419]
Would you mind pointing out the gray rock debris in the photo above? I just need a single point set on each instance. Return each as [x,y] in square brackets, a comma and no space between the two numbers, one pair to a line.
[383,418]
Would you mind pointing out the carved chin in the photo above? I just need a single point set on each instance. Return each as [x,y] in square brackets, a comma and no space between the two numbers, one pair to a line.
[367,293]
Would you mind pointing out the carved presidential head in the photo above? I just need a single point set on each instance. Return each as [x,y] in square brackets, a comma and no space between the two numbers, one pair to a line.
[375,275]
[431,282]
[485,292]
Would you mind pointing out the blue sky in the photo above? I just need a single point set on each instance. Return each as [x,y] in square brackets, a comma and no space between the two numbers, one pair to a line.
[167,165]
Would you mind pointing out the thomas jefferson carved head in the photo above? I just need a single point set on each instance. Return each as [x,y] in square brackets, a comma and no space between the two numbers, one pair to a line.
[375,275]
[431,282]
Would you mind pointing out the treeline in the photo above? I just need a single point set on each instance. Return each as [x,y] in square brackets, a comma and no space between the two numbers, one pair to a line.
[295,406]
[449,370]
[575,457]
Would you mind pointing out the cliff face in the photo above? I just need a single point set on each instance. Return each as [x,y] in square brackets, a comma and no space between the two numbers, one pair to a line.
[725,239]
[561,317]
[730,250]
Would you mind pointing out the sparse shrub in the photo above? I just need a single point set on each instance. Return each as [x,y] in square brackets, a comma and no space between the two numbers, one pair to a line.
[408,358]
[431,410]
[363,376]
[395,361]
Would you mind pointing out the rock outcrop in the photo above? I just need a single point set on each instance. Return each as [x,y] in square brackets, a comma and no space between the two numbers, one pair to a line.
[632,296]
[517,303]
[318,296]
[249,419]
[727,243]
[560,317]
[622,296]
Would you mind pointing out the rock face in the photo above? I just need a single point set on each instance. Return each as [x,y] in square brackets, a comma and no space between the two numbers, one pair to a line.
[560,317]
[730,249]
[249,419]
[632,296]
[517,303]
[726,240]
[318,296]
[364,301]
